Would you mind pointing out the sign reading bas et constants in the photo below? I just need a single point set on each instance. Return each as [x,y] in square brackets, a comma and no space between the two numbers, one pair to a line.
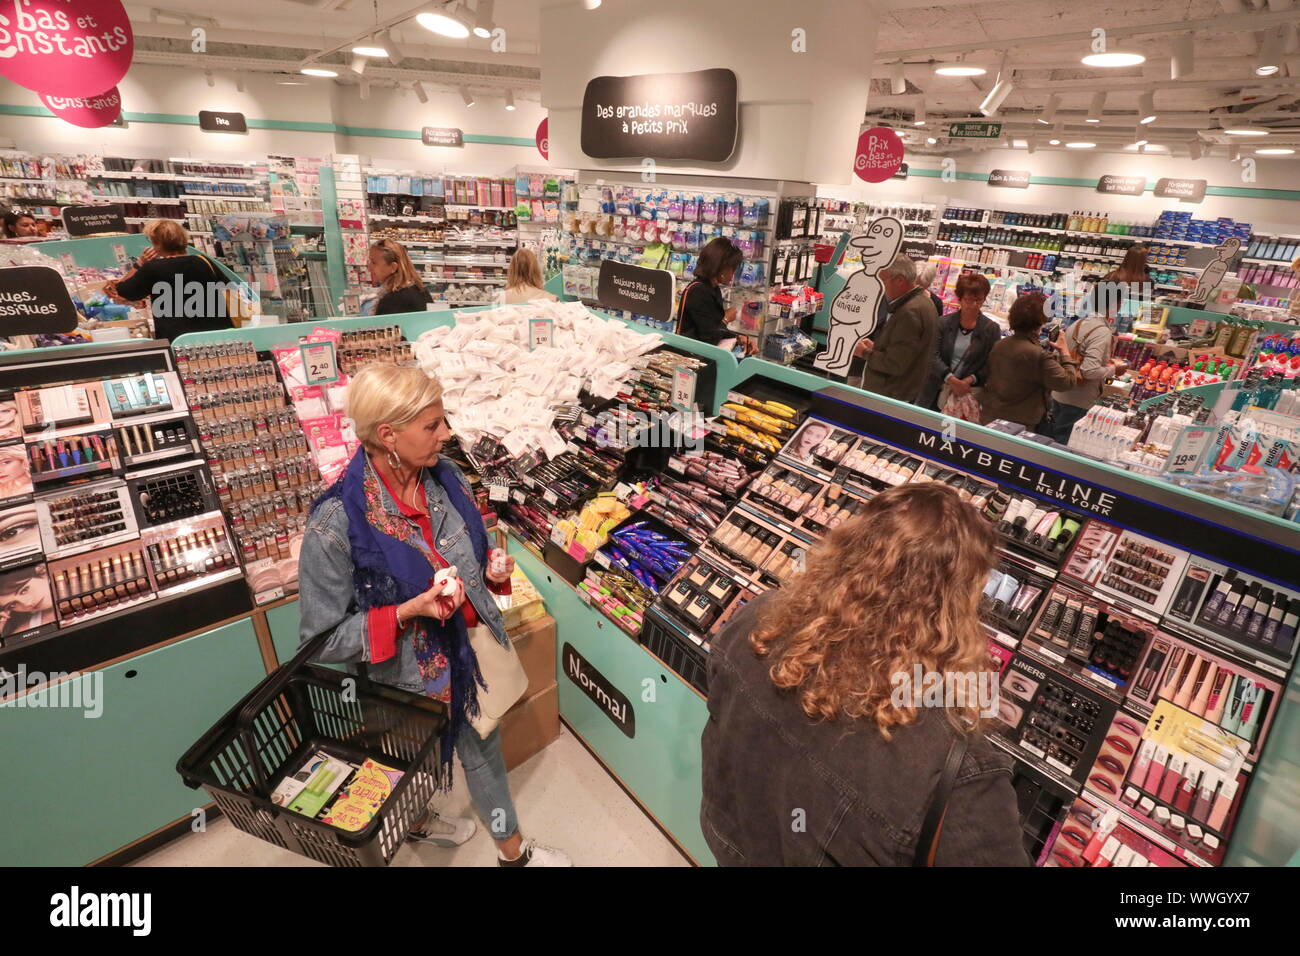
[214,122]
[1122,185]
[661,116]
[93,220]
[1187,190]
[34,301]
[974,130]
[636,289]
[441,136]
[612,702]
[1009,178]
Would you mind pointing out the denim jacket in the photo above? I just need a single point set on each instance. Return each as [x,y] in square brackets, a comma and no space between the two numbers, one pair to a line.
[327,601]
[783,790]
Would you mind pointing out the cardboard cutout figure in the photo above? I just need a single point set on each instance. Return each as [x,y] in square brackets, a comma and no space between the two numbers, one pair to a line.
[1213,274]
[853,312]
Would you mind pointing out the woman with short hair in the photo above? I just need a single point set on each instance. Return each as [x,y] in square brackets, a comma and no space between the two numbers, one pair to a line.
[966,337]
[186,291]
[814,713]
[401,286]
[399,515]
[524,280]
[1022,373]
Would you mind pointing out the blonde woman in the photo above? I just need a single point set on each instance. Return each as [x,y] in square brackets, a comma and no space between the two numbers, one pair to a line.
[401,287]
[400,514]
[524,280]
[807,709]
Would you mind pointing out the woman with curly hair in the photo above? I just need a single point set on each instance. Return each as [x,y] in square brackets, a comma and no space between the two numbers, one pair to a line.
[819,749]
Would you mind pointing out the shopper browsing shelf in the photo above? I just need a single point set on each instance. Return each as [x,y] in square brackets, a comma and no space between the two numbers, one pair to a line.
[898,361]
[400,517]
[20,225]
[810,709]
[401,288]
[702,314]
[524,280]
[1021,371]
[966,337]
[186,292]
[925,274]
[1092,340]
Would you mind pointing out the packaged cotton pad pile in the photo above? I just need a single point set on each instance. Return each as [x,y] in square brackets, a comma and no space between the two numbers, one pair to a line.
[493,384]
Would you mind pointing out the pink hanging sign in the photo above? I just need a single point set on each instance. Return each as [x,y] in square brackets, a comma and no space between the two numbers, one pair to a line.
[88,112]
[65,47]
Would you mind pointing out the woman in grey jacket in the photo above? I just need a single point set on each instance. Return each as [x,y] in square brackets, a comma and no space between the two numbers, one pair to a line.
[1092,341]
[395,567]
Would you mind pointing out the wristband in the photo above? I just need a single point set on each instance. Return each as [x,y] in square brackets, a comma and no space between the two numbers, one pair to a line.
[397,613]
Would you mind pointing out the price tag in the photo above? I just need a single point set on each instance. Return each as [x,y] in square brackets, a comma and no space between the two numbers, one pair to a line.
[517,496]
[550,497]
[1032,749]
[1101,680]
[1058,765]
[578,553]
[1189,448]
[677,465]
[119,251]
[69,264]
[684,388]
[319,363]
[572,448]
[541,333]
[601,558]
[558,539]
[1050,655]
[622,490]
[498,493]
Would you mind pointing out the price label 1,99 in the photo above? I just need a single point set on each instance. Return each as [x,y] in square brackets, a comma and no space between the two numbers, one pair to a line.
[320,363]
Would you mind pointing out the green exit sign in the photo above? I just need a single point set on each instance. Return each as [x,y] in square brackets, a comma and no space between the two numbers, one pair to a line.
[975,130]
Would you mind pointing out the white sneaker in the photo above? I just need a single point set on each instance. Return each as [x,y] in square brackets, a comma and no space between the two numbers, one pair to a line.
[535,854]
[443,831]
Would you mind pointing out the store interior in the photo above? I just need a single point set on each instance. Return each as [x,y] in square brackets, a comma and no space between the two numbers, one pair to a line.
[156,498]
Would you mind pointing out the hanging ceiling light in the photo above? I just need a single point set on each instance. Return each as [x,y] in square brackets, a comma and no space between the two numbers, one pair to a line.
[1096,107]
[1082,144]
[290,81]
[418,89]
[1271,48]
[446,22]
[591,4]
[1001,90]
[931,140]
[1049,110]
[1182,62]
[1275,151]
[897,81]
[1113,59]
[959,67]
[919,115]
[1054,141]
[371,46]
[1140,137]
[1194,149]
[467,96]
[510,99]
[316,71]
[1031,144]
[358,64]
[483,19]
[1244,130]
[394,54]
[1147,108]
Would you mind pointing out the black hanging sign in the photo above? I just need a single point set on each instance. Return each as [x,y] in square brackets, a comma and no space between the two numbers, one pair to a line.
[34,301]
[1122,185]
[636,289]
[1186,190]
[93,220]
[662,116]
[611,701]
[902,172]
[1009,178]
[441,136]
[215,122]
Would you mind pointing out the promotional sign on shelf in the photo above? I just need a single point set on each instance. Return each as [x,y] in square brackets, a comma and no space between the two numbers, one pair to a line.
[1122,185]
[88,112]
[1186,190]
[441,136]
[320,363]
[93,220]
[661,116]
[66,47]
[34,301]
[541,333]
[636,289]
[879,156]
[1009,178]
[543,137]
[212,121]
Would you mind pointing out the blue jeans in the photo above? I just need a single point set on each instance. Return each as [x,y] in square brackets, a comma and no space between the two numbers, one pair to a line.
[485,775]
[1063,419]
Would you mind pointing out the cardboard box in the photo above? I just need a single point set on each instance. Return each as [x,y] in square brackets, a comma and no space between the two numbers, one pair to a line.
[535,645]
[530,725]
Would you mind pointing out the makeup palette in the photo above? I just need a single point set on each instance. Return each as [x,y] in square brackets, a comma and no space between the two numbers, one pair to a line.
[95,516]
[61,406]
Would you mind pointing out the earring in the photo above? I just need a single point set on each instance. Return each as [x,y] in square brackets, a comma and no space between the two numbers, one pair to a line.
[394,460]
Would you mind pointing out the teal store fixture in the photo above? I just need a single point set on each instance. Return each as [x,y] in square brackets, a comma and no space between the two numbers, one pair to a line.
[132,753]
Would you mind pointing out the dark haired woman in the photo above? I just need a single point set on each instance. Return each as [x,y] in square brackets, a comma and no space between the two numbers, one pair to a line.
[819,751]
[702,314]
[1021,373]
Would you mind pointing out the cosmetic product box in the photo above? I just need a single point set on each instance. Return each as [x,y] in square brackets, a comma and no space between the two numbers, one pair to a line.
[700,593]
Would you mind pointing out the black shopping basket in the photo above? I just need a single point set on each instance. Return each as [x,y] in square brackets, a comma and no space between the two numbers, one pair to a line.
[296,711]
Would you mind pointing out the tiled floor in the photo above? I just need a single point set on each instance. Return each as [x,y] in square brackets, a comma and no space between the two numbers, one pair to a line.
[564,799]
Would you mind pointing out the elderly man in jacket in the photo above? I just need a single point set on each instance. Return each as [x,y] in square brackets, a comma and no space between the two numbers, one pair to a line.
[898,361]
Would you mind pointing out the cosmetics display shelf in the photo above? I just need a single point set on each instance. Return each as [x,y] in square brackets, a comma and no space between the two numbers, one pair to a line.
[118,530]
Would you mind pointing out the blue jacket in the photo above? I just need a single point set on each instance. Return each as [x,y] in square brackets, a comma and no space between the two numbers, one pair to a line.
[327,601]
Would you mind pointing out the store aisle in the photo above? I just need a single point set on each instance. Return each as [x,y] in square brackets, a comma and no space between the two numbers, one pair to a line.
[565,799]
